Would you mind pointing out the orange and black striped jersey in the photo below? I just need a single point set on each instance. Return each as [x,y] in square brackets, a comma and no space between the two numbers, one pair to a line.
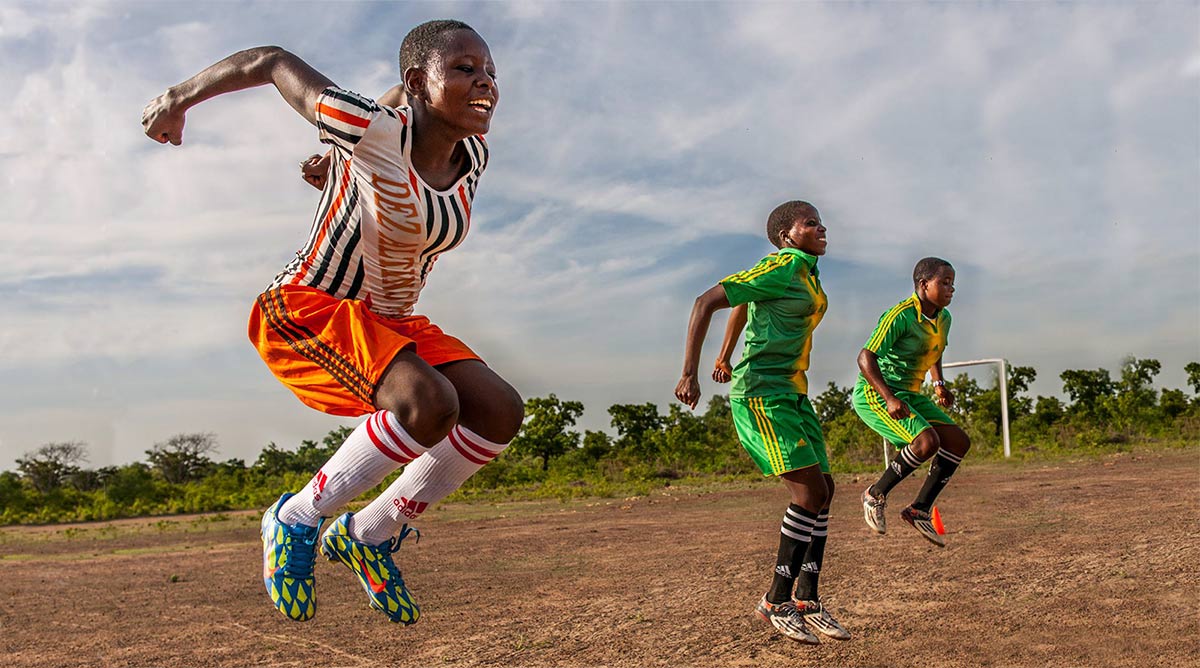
[379,228]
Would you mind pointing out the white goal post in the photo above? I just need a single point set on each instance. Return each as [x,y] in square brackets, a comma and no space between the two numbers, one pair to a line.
[1002,374]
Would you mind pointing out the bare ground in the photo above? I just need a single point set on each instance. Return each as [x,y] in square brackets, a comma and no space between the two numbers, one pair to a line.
[1085,563]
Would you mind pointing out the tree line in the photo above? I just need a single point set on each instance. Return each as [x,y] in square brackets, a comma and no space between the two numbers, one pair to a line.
[648,449]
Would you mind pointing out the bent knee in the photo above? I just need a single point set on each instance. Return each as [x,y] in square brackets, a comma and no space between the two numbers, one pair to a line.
[512,413]
[820,498]
[429,416]
[926,444]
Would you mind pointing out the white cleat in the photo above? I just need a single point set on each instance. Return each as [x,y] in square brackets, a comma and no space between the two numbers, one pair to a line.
[873,511]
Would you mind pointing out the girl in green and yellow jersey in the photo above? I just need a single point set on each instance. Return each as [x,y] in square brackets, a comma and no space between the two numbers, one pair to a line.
[907,343]
[780,302]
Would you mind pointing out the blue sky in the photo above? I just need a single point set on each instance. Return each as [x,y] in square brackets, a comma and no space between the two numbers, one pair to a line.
[1050,151]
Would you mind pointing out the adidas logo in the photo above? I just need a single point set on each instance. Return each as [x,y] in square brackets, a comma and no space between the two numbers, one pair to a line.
[810,567]
[408,508]
[783,571]
[896,466]
[318,484]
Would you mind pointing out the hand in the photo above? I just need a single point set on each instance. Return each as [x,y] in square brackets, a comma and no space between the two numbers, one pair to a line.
[162,120]
[688,391]
[315,170]
[722,373]
[896,408]
[944,395]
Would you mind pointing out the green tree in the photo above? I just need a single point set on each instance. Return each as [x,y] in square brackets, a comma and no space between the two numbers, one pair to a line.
[1087,389]
[833,402]
[230,466]
[15,499]
[1135,403]
[1048,410]
[1193,376]
[1173,403]
[718,422]
[183,457]
[684,438]
[966,391]
[636,425]
[987,404]
[596,445]
[132,484]
[48,467]
[546,431]
[90,480]
[1137,375]
[274,460]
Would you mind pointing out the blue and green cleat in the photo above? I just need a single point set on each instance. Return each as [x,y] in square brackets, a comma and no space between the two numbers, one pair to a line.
[289,552]
[375,569]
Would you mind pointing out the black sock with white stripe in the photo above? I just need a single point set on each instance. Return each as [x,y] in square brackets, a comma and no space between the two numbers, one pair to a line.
[902,466]
[944,465]
[808,568]
[794,537]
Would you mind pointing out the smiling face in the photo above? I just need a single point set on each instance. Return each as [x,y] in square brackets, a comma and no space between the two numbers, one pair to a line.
[938,290]
[807,233]
[457,85]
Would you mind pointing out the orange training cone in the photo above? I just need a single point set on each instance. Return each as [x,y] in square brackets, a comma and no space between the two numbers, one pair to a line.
[937,522]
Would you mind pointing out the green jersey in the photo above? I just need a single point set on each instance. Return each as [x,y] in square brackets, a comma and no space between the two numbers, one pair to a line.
[908,343]
[785,304]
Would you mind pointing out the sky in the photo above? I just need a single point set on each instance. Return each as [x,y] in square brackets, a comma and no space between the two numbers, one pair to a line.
[1051,151]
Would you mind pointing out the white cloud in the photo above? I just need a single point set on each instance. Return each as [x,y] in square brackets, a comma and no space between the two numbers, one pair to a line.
[1051,152]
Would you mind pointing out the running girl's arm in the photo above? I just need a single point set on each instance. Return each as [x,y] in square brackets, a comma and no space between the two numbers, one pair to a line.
[723,372]
[868,364]
[688,388]
[296,80]
[940,388]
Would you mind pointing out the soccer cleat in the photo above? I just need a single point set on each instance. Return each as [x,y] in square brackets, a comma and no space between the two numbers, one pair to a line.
[376,571]
[923,523]
[873,511]
[816,616]
[787,620]
[289,552]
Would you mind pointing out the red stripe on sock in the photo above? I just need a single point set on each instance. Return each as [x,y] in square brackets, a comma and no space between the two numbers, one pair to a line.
[462,449]
[490,454]
[383,422]
[383,446]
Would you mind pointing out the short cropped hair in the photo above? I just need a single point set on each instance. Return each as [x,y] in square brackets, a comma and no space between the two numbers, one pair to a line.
[422,41]
[927,268]
[783,217]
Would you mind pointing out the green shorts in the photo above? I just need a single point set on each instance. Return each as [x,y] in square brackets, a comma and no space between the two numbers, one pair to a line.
[872,409]
[781,432]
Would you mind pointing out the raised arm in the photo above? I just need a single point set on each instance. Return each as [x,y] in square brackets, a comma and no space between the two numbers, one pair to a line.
[723,371]
[868,364]
[688,388]
[297,82]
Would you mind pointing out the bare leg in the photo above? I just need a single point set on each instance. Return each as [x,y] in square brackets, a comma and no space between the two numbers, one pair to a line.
[424,400]
[487,404]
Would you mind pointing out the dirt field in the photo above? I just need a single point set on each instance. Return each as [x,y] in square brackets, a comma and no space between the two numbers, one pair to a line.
[1090,563]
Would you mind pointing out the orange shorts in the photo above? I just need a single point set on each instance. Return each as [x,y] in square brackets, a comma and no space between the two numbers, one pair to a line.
[332,352]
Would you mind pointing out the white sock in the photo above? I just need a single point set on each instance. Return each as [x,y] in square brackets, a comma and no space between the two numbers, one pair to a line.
[429,479]
[374,449]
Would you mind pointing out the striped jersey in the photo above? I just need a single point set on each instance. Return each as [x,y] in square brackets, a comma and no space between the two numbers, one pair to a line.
[908,343]
[379,228]
[786,303]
